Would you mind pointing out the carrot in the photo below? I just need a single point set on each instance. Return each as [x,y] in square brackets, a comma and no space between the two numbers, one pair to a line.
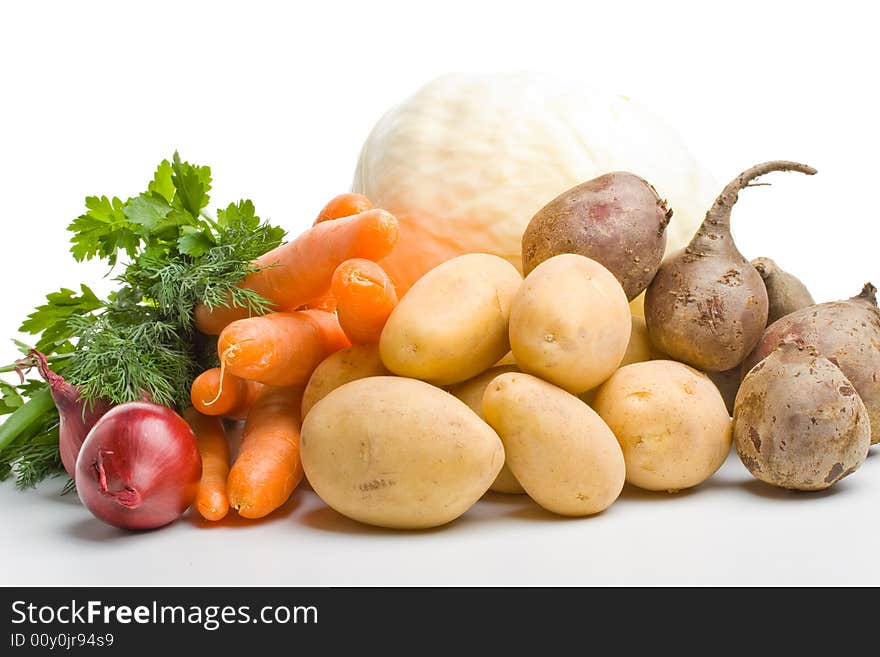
[344,205]
[331,332]
[299,272]
[232,398]
[365,296]
[278,349]
[326,302]
[211,500]
[268,466]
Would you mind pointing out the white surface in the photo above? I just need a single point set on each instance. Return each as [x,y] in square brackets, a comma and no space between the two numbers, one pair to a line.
[730,530]
[278,100]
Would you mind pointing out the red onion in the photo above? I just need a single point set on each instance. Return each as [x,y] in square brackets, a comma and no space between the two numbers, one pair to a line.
[139,467]
[76,416]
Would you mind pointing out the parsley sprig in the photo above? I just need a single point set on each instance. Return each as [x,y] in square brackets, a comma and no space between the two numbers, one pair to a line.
[139,342]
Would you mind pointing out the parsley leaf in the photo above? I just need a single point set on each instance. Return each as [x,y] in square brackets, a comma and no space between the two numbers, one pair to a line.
[51,318]
[195,242]
[161,183]
[102,231]
[192,184]
[147,210]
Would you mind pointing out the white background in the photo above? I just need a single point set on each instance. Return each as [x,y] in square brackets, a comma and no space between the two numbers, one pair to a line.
[278,97]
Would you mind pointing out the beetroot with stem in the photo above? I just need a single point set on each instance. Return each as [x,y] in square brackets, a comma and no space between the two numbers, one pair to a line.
[76,415]
[707,306]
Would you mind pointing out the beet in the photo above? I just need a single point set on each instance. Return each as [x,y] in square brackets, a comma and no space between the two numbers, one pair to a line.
[845,332]
[617,219]
[707,305]
[785,292]
[798,422]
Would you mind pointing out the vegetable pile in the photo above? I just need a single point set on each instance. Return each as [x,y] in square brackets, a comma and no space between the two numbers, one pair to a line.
[404,396]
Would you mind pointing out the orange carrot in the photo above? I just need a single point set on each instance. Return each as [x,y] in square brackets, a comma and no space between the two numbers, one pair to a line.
[278,349]
[365,296]
[211,500]
[299,272]
[331,332]
[232,398]
[344,205]
[326,302]
[268,466]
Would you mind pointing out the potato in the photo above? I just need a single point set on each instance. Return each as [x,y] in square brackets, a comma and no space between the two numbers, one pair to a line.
[798,422]
[471,393]
[640,348]
[670,421]
[637,306]
[356,362]
[561,452]
[452,324]
[397,452]
[570,323]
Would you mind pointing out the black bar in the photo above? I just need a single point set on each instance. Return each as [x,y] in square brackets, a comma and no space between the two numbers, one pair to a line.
[288,620]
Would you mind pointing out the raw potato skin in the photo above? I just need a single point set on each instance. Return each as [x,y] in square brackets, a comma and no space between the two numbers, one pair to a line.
[561,452]
[471,393]
[398,453]
[640,348]
[637,306]
[452,324]
[845,332]
[785,292]
[570,323]
[356,362]
[707,306]
[670,421]
[617,219]
[798,422]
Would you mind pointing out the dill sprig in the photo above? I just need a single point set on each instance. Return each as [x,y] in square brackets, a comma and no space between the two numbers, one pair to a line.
[131,355]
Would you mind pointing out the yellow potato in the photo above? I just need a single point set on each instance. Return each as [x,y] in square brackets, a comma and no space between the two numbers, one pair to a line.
[399,453]
[640,347]
[570,323]
[558,448]
[671,423]
[471,393]
[452,324]
[637,306]
[356,362]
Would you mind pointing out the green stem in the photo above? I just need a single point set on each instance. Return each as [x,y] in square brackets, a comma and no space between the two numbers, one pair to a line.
[13,367]
[209,219]
[24,416]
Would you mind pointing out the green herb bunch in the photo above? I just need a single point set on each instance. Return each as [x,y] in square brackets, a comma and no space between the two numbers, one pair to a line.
[139,342]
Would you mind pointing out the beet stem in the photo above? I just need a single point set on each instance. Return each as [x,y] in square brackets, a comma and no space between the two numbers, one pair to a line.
[717,221]
[868,293]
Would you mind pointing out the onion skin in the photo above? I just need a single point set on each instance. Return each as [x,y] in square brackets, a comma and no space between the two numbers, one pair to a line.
[75,415]
[139,467]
